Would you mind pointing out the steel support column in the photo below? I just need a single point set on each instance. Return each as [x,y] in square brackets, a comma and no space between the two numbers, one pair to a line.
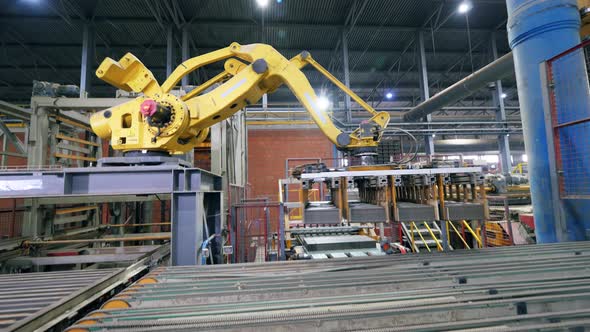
[498,99]
[346,71]
[187,228]
[37,157]
[169,50]
[185,53]
[265,102]
[86,72]
[424,90]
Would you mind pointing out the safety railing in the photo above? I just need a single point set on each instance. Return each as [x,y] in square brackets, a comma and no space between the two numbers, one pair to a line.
[473,233]
[459,234]
[413,225]
[436,240]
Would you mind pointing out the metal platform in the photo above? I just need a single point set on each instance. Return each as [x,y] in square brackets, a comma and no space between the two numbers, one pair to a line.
[193,191]
[537,287]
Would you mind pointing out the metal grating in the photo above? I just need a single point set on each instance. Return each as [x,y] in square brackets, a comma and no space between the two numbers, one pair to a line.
[571,121]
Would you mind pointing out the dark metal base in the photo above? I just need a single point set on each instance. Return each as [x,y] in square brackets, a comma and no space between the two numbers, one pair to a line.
[147,153]
[465,211]
[363,213]
[143,160]
[407,211]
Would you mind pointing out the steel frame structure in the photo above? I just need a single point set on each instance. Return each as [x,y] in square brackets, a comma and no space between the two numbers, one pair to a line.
[196,195]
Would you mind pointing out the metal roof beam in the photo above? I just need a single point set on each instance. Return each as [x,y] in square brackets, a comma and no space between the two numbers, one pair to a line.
[18,19]
[127,47]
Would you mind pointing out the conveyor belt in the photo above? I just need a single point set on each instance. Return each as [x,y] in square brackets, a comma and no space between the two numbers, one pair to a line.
[507,289]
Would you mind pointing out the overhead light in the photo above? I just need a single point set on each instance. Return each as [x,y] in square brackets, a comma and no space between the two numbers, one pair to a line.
[279,1]
[323,103]
[503,96]
[464,7]
[507,135]
[389,95]
[433,135]
[262,3]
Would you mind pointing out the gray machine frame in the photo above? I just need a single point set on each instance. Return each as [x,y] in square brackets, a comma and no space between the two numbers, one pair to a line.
[196,195]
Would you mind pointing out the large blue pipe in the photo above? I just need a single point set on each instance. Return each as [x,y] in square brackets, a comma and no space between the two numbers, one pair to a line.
[537,31]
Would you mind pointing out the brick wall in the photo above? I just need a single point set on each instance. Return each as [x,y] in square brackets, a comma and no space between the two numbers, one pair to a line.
[268,150]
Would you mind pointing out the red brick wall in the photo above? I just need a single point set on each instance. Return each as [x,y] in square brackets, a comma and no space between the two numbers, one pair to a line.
[268,150]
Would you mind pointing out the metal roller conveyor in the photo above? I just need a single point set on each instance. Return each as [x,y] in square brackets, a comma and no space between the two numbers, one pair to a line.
[53,300]
[23,295]
[508,289]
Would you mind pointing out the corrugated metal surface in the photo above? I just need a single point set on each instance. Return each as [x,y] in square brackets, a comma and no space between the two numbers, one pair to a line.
[544,287]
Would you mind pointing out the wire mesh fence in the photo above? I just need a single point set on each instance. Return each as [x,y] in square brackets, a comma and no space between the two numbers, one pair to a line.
[570,116]
[257,231]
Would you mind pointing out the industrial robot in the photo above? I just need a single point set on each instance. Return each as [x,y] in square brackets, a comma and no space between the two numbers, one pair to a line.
[161,124]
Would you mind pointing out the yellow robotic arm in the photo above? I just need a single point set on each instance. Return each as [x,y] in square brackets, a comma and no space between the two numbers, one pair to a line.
[160,121]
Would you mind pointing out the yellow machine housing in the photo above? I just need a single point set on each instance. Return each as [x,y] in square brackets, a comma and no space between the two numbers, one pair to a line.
[160,121]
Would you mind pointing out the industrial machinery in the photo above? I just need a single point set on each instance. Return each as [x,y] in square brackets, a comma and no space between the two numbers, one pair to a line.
[160,123]
[424,209]
[513,186]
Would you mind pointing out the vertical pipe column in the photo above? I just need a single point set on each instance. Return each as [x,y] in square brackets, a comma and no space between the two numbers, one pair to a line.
[537,31]
[87,59]
[346,71]
[169,50]
[503,140]
[185,54]
[424,90]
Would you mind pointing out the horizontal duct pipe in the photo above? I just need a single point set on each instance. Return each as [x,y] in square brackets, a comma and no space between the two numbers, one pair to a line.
[464,88]
[466,145]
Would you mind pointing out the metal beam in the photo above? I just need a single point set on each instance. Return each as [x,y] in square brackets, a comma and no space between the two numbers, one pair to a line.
[169,50]
[346,70]
[14,111]
[209,48]
[212,23]
[185,53]
[498,99]
[425,93]
[10,136]
[87,60]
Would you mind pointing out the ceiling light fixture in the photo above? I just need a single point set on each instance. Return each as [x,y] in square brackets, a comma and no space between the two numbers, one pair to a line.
[464,7]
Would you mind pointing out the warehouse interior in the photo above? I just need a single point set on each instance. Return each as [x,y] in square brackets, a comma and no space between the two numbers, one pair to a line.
[294,165]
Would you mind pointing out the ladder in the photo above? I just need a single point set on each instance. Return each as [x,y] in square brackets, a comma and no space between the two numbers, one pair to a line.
[423,235]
